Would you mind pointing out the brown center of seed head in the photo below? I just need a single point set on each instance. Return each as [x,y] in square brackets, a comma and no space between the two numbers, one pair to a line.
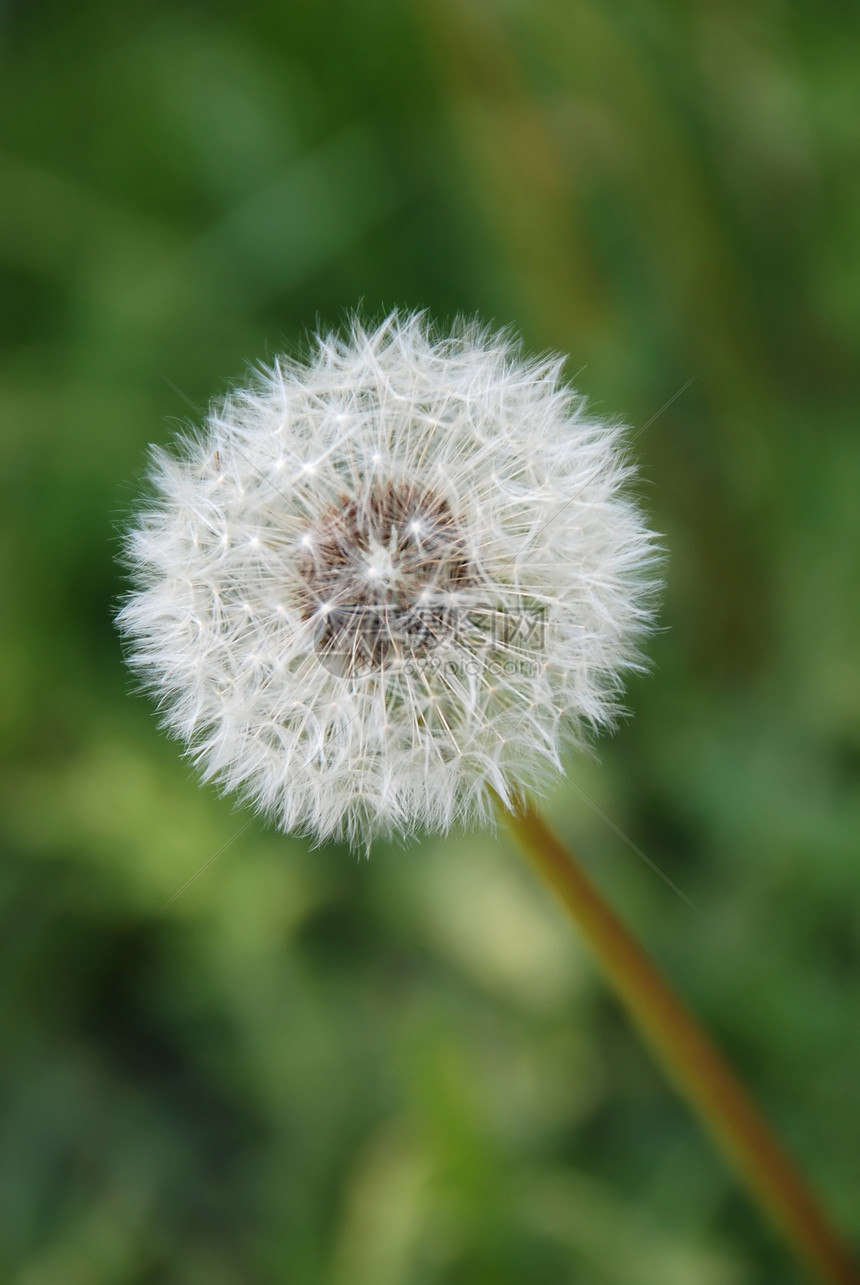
[380,574]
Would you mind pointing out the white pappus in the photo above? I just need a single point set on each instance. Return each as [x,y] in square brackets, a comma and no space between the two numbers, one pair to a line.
[387,583]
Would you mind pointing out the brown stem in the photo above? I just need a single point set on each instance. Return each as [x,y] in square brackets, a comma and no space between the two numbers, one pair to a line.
[698,1070]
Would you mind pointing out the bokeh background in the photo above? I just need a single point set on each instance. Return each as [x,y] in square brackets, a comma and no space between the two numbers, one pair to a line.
[405,1071]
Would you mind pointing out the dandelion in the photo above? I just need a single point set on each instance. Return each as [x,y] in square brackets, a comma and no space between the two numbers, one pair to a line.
[386,585]
[382,589]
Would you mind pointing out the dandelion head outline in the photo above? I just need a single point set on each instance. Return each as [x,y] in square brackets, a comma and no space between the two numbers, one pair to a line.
[384,584]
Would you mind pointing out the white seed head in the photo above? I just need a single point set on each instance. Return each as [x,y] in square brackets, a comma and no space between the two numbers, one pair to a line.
[382,586]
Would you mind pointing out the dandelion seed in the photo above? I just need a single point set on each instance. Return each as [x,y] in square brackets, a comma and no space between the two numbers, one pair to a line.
[429,596]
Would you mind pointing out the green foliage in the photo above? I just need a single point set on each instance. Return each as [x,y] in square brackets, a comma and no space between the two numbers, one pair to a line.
[311,1068]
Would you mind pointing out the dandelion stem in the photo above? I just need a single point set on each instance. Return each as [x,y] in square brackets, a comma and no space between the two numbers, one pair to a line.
[698,1070]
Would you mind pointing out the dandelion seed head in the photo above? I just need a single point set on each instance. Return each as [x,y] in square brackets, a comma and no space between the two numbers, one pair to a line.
[388,582]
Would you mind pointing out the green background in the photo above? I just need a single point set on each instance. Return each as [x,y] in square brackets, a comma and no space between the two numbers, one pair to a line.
[315,1068]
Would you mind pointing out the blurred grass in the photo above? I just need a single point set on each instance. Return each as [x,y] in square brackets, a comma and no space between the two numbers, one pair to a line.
[309,1068]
